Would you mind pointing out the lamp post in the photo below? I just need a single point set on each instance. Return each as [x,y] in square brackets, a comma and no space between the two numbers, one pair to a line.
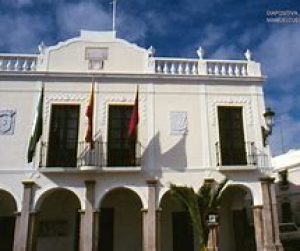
[267,131]
[213,238]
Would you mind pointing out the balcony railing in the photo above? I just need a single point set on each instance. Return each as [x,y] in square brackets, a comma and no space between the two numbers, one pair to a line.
[86,157]
[252,157]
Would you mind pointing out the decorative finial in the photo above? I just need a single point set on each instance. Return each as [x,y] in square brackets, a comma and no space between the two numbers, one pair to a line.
[42,47]
[151,51]
[200,52]
[248,55]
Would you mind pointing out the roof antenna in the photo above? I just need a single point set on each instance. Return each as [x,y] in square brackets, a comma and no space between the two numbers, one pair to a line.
[114,9]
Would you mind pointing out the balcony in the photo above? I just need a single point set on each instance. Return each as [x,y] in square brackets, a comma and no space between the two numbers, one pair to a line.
[247,157]
[86,159]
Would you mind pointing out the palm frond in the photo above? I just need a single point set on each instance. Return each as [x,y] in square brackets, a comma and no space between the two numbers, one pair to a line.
[216,195]
[189,199]
[199,204]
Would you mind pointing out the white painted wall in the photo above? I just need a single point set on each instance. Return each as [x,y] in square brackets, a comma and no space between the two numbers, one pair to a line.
[179,158]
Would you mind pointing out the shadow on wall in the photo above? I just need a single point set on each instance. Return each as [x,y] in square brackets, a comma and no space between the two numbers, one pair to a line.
[174,158]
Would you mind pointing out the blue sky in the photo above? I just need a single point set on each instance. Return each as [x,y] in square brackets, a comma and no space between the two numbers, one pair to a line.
[224,28]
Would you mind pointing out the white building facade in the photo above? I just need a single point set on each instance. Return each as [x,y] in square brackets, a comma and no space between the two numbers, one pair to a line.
[198,119]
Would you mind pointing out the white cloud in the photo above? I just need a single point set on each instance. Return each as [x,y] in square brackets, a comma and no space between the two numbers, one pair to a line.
[72,17]
[22,33]
[284,103]
[212,35]
[16,3]
[286,135]
[247,38]
[131,28]
[280,51]
[227,52]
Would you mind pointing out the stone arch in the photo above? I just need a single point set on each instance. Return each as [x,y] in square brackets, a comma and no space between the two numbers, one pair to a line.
[236,218]
[120,220]
[57,221]
[47,192]
[104,193]
[8,204]
[8,208]
[174,225]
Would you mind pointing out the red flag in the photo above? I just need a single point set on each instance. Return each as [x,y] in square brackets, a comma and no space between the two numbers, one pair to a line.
[134,118]
[90,115]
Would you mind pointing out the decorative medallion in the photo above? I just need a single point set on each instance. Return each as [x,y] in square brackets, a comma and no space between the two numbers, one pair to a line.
[7,122]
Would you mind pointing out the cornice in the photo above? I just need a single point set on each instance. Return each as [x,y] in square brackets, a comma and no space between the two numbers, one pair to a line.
[143,77]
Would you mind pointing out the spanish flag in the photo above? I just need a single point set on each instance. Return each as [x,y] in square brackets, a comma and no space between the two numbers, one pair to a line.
[134,118]
[90,115]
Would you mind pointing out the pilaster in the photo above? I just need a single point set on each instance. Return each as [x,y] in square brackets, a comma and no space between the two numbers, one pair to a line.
[258,226]
[150,218]
[16,234]
[270,217]
[32,238]
[23,222]
[88,232]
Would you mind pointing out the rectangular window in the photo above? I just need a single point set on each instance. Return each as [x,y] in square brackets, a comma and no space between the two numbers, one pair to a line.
[63,136]
[231,131]
[120,151]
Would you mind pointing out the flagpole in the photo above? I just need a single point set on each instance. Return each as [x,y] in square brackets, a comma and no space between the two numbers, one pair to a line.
[114,4]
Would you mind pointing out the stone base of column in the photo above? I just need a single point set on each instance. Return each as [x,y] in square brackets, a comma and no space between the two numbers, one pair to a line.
[271,248]
[279,247]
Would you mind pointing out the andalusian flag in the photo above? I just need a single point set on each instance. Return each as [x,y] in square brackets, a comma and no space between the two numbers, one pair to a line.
[90,115]
[37,127]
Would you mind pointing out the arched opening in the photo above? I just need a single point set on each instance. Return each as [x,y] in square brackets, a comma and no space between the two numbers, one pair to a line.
[8,209]
[236,220]
[57,224]
[120,221]
[175,228]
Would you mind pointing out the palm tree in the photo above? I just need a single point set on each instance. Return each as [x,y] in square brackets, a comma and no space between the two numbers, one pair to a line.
[199,204]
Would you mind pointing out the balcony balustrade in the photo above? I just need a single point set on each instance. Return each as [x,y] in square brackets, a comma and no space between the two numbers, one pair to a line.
[252,159]
[86,158]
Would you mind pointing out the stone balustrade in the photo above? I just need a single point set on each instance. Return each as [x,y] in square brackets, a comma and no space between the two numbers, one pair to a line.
[226,68]
[16,62]
[222,68]
[176,66]
[167,66]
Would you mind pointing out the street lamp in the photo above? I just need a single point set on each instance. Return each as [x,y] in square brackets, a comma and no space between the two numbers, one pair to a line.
[267,131]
